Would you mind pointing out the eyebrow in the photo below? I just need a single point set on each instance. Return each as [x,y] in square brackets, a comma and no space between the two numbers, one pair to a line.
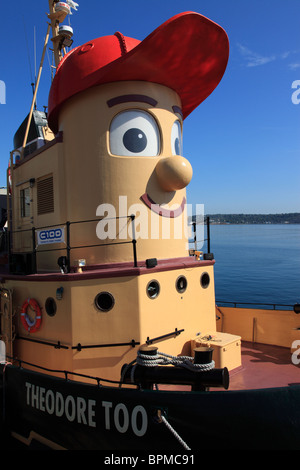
[133,98]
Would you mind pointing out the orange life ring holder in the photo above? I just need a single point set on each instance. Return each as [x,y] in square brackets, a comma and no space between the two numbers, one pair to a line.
[31,325]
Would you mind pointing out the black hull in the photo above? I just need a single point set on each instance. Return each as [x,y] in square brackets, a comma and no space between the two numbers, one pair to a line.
[78,416]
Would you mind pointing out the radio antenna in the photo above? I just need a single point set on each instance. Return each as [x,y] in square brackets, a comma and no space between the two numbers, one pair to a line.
[28,53]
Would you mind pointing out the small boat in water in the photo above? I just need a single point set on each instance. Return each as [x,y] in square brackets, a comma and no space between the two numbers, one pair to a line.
[111,338]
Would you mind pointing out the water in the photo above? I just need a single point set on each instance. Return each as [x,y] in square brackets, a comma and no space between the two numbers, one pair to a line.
[257,263]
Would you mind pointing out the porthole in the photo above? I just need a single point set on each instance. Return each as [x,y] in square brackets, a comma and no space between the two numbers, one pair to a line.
[50,306]
[205,280]
[181,284]
[104,301]
[153,289]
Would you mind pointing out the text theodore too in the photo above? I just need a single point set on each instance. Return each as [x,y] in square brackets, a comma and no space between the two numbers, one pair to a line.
[83,411]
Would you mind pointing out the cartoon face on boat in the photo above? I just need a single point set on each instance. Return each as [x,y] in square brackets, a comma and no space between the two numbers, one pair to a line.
[144,133]
[121,103]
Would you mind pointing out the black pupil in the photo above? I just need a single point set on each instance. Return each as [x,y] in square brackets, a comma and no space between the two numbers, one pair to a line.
[135,140]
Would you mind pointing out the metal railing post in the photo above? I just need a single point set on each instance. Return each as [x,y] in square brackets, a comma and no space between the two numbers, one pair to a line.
[208,234]
[134,241]
[33,251]
[68,246]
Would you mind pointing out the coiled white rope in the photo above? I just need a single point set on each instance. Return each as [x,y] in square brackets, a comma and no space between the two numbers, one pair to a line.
[161,358]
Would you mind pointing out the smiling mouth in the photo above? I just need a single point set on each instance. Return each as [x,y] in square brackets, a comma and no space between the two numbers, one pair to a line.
[162,210]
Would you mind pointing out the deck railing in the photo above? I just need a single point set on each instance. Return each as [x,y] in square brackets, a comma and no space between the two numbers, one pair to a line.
[264,306]
[68,247]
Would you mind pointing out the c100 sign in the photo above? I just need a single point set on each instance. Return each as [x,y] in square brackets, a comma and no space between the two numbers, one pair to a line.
[53,235]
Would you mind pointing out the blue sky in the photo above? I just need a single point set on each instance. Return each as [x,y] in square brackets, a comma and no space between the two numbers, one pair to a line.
[243,141]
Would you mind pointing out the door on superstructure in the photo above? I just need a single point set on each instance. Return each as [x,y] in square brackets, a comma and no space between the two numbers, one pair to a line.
[7,333]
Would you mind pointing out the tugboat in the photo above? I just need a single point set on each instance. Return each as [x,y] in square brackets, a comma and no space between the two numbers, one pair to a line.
[110,334]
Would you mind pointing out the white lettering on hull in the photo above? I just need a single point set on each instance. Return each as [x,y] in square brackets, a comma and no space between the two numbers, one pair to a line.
[122,419]
[75,409]
[83,411]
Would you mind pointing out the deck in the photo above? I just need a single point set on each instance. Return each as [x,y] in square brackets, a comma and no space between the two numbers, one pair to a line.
[265,366]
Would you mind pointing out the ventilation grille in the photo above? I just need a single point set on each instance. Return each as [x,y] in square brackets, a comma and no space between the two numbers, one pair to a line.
[45,198]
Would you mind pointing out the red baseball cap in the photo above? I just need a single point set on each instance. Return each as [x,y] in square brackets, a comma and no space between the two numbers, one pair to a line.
[188,53]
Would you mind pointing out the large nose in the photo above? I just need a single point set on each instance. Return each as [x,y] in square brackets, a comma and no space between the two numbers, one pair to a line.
[173,172]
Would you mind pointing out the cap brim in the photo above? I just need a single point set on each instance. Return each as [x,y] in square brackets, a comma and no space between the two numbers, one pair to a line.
[188,53]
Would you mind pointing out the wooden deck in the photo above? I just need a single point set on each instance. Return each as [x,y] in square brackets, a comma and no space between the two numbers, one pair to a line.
[265,366]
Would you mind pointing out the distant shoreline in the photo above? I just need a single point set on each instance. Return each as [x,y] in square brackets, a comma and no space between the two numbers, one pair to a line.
[253,223]
[251,219]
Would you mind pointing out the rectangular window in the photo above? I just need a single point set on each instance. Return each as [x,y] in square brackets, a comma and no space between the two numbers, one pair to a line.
[25,202]
[45,196]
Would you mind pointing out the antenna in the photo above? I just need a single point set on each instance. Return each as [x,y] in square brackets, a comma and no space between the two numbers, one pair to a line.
[27,47]
[34,48]
[34,42]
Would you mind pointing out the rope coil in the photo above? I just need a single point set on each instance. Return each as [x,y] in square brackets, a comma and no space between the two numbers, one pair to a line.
[161,358]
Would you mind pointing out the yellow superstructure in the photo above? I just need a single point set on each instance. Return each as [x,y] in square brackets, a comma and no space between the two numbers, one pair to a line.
[98,215]
[94,316]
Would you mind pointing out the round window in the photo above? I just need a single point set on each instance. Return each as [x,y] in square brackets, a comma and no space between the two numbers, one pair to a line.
[104,301]
[50,306]
[205,280]
[181,284]
[153,289]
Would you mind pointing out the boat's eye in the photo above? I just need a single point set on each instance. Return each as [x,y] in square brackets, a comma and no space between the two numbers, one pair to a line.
[176,139]
[134,133]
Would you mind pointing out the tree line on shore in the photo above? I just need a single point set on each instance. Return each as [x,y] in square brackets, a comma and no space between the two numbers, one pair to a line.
[287,218]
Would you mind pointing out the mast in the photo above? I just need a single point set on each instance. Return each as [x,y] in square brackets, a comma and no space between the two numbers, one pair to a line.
[55,30]
[61,38]
[61,35]
[36,89]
